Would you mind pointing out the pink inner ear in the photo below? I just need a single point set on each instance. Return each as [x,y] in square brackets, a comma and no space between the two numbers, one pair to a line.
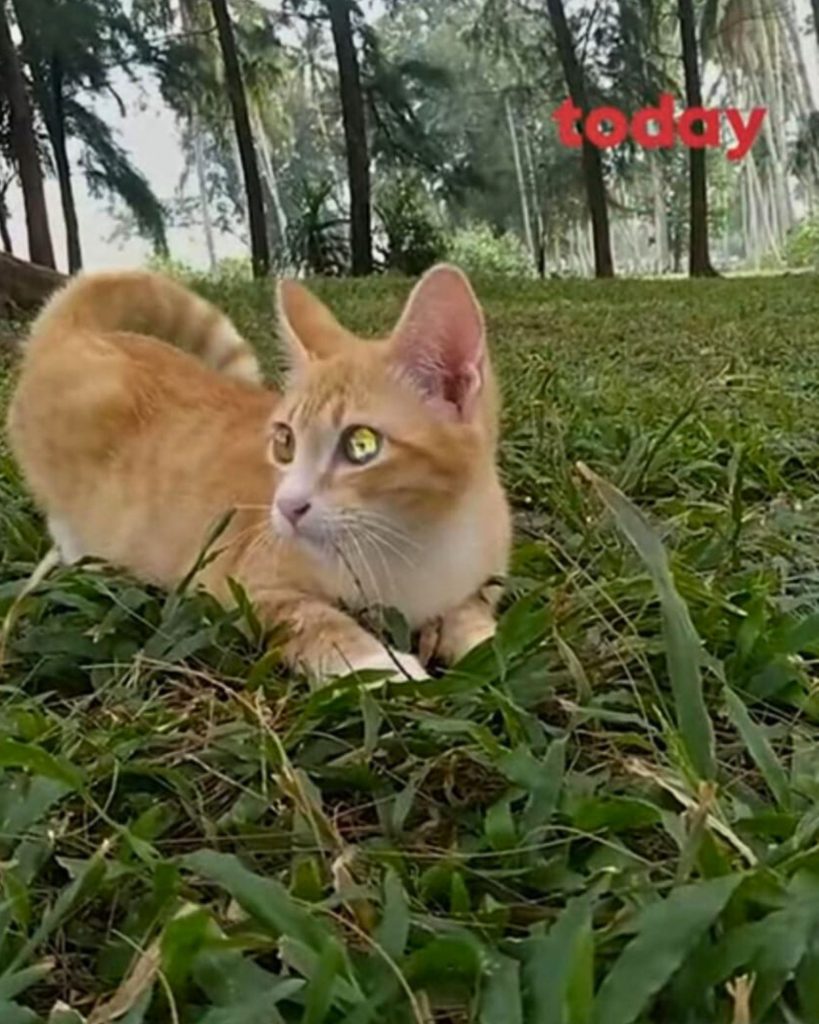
[439,343]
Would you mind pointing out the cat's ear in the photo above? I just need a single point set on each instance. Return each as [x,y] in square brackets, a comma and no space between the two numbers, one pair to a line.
[439,345]
[307,328]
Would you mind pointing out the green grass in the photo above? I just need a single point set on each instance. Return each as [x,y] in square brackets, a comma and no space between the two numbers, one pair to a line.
[610,815]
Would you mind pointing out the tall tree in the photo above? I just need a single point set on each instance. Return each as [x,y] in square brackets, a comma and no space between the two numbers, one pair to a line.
[5,234]
[24,144]
[40,31]
[699,258]
[355,136]
[260,250]
[592,162]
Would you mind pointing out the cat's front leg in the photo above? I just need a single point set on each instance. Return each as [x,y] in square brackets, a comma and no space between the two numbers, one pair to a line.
[461,629]
[326,643]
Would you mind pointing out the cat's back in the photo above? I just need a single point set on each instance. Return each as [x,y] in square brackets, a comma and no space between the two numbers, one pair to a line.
[115,430]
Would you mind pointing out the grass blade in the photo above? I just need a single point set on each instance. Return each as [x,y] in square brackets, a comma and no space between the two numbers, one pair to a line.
[265,899]
[759,748]
[557,969]
[500,998]
[667,933]
[682,644]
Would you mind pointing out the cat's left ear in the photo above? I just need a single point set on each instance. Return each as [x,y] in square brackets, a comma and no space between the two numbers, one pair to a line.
[439,345]
[307,327]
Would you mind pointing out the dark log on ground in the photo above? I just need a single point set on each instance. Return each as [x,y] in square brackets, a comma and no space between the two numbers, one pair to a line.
[24,287]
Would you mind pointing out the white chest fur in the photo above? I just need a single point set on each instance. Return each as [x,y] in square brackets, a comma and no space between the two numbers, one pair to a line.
[438,571]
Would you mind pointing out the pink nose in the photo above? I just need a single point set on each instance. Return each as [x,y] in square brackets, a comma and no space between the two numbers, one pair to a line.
[293,509]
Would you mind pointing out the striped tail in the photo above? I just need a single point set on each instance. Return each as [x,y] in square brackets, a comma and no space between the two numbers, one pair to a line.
[147,303]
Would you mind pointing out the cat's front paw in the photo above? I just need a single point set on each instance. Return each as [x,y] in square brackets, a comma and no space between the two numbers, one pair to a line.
[453,636]
[401,666]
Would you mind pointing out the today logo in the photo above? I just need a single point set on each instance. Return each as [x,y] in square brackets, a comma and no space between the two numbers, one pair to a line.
[606,127]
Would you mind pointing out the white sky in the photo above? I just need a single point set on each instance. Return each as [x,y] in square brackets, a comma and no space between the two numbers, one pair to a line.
[149,133]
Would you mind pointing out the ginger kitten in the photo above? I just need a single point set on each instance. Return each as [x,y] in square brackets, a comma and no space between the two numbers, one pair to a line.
[371,480]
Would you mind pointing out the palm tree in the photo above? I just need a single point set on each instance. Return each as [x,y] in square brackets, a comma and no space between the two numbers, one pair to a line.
[46,66]
[592,162]
[260,250]
[699,256]
[759,53]
[355,136]
[24,145]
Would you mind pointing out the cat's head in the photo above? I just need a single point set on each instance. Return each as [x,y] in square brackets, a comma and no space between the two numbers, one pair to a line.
[383,439]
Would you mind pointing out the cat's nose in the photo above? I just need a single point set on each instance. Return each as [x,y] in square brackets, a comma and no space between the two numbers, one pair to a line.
[293,508]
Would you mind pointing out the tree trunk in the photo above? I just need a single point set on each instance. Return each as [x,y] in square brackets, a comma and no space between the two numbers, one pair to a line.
[196,130]
[47,79]
[25,286]
[202,188]
[592,163]
[55,121]
[260,133]
[524,201]
[260,251]
[539,227]
[660,214]
[355,137]
[699,260]
[815,8]
[24,146]
[5,234]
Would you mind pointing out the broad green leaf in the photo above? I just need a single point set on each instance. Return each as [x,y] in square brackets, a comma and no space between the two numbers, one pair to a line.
[372,716]
[684,654]
[24,800]
[616,813]
[667,932]
[39,762]
[801,636]
[500,826]
[759,748]
[12,985]
[773,947]
[542,778]
[305,961]
[393,930]
[807,981]
[500,993]
[258,1009]
[444,960]
[228,978]
[11,1013]
[319,992]
[265,899]
[85,884]
[557,969]
[181,940]
[519,627]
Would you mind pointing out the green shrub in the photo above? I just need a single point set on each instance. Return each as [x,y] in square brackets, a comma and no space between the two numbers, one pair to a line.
[802,246]
[414,238]
[479,251]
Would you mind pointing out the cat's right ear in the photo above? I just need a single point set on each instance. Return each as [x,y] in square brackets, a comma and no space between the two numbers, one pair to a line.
[307,328]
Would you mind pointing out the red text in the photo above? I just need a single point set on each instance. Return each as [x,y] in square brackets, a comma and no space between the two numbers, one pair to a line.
[657,127]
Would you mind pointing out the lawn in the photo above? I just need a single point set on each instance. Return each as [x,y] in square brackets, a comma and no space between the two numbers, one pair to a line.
[610,815]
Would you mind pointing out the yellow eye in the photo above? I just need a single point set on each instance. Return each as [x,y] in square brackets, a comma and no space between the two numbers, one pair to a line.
[361,444]
[283,443]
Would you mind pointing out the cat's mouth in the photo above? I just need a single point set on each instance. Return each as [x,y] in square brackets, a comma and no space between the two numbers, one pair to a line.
[308,530]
